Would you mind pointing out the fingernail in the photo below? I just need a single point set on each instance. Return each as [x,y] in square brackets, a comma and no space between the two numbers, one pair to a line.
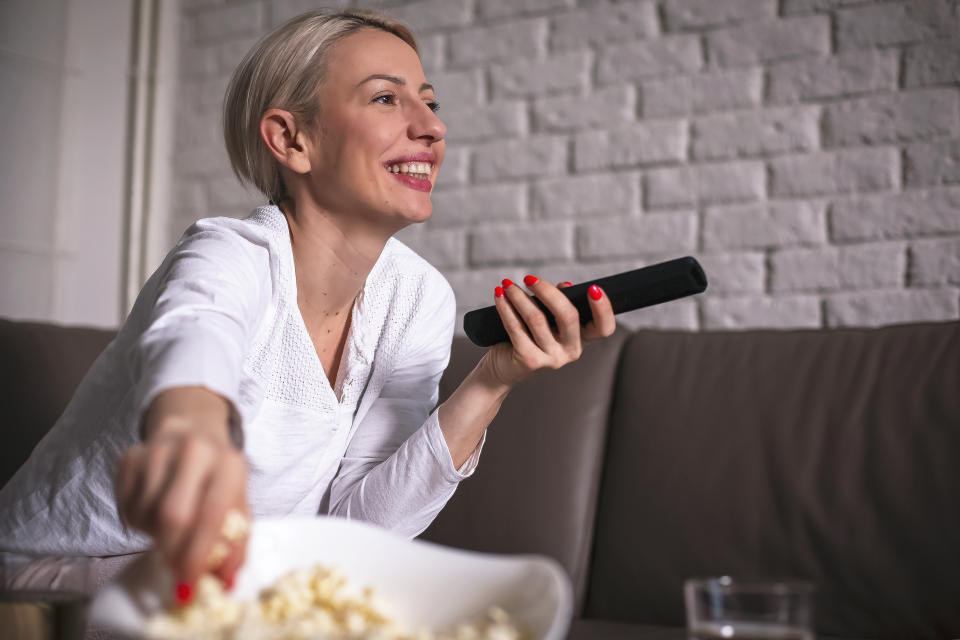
[595,292]
[506,282]
[184,593]
[498,292]
[231,581]
[530,280]
[565,283]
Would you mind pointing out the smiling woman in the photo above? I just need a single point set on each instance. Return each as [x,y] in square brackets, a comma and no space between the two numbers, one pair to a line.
[288,363]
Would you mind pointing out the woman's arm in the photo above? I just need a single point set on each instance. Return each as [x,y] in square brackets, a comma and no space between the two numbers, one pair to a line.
[403,463]
[199,313]
[534,345]
[180,482]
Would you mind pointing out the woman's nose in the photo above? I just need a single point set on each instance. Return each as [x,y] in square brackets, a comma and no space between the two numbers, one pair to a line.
[426,124]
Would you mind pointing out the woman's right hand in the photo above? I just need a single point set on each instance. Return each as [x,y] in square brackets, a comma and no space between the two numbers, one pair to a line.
[178,485]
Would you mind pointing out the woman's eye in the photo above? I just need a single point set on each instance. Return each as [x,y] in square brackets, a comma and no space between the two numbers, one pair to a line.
[384,99]
[434,106]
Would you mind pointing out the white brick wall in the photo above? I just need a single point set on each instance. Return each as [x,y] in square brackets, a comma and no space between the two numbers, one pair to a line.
[807,151]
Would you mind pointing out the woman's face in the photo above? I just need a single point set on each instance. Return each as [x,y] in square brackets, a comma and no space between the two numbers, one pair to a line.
[379,144]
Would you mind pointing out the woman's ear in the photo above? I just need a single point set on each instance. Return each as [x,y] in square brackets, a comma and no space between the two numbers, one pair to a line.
[285,140]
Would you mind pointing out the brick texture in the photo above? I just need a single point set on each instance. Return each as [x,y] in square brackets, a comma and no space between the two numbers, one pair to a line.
[604,107]
[457,89]
[912,115]
[479,204]
[932,63]
[646,59]
[506,41]
[505,8]
[936,211]
[806,151]
[764,226]
[530,158]
[768,41]
[590,195]
[654,233]
[427,15]
[709,183]
[695,14]
[935,262]
[846,74]
[528,78]
[871,266]
[679,314]
[884,23]
[717,91]
[598,26]
[735,273]
[825,173]
[521,244]
[486,121]
[636,145]
[891,307]
[762,312]
[754,133]
[933,163]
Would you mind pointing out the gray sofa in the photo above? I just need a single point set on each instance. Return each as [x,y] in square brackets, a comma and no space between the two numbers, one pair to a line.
[829,455]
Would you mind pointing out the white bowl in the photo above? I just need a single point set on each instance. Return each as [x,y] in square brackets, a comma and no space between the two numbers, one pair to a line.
[427,585]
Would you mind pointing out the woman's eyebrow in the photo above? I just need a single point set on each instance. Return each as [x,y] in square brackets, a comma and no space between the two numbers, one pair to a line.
[395,80]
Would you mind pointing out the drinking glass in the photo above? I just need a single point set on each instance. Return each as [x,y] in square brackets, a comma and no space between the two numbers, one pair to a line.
[725,607]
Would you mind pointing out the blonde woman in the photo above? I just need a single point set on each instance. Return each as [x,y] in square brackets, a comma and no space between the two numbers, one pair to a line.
[288,363]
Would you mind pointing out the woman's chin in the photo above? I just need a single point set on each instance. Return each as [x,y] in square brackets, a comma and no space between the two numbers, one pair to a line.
[419,215]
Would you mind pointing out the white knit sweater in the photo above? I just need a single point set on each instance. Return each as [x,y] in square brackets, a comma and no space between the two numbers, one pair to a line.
[221,312]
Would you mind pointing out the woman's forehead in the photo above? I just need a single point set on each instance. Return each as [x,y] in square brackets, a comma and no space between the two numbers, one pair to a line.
[371,52]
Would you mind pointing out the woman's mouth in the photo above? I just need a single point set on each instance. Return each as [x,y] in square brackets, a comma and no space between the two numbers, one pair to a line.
[415,175]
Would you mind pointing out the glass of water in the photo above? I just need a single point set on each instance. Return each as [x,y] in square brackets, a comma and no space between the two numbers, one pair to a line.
[725,607]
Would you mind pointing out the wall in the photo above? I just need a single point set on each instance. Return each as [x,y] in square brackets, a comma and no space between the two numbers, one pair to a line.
[63,82]
[806,151]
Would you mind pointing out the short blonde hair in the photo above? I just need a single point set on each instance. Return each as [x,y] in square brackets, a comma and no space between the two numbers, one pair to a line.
[284,71]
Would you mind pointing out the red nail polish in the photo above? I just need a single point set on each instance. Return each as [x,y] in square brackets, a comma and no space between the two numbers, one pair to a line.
[506,282]
[530,280]
[595,292]
[565,283]
[231,581]
[184,593]
[498,292]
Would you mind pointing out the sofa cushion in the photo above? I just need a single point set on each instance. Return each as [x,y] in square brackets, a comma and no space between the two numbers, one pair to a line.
[40,368]
[827,455]
[535,488]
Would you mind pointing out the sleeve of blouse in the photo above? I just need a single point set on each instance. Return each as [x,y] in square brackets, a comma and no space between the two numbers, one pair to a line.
[397,471]
[199,313]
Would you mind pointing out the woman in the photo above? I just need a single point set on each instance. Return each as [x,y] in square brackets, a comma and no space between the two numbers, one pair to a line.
[288,363]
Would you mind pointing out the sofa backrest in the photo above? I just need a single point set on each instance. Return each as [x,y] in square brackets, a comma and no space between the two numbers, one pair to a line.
[41,366]
[827,455]
[535,488]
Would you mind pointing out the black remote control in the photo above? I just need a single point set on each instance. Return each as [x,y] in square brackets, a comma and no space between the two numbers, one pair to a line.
[627,291]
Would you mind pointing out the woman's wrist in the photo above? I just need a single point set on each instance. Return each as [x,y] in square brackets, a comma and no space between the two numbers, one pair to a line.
[188,410]
[486,374]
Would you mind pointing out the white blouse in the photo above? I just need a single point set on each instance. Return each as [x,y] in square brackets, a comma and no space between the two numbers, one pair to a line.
[221,312]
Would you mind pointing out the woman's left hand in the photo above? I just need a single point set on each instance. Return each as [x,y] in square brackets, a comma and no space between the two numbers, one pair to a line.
[534,344]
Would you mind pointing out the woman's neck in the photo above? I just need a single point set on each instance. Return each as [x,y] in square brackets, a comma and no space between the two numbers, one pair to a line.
[331,259]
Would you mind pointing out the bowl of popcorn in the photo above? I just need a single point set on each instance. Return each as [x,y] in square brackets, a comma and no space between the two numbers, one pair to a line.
[330,578]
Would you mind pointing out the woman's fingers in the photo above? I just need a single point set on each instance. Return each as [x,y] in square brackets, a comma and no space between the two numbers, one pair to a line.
[565,315]
[179,513]
[533,317]
[603,323]
[226,490]
[512,322]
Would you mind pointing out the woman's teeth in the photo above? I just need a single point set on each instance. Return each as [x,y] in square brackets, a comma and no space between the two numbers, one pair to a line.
[420,170]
